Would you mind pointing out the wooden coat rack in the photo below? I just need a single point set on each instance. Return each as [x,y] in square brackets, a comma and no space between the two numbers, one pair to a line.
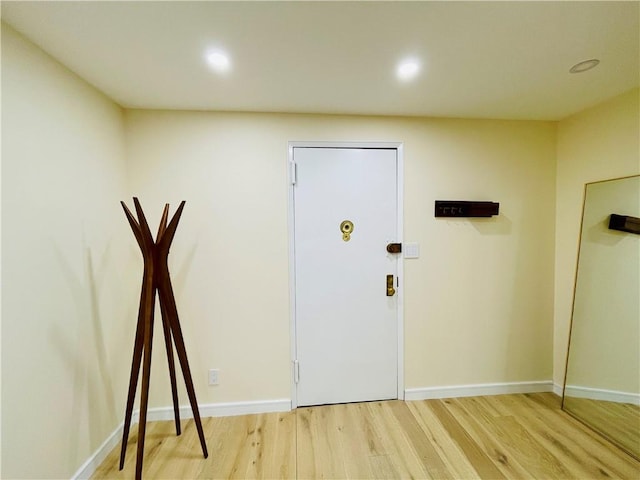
[156,280]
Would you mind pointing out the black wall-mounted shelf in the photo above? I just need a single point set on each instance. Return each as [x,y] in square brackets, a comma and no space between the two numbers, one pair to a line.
[624,223]
[453,208]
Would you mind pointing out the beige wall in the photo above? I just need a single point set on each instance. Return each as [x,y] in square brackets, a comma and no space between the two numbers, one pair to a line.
[478,303]
[600,143]
[65,288]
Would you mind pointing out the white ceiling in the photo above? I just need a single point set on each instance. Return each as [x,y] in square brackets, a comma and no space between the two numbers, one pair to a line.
[480,59]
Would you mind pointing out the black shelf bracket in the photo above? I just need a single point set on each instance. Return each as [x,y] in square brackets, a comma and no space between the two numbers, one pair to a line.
[624,223]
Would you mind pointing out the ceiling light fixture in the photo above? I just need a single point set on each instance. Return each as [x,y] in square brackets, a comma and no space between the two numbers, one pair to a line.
[584,66]
[218,61]
[408,69]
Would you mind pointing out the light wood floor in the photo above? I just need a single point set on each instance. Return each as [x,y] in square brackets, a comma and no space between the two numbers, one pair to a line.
[617,421]
[507,436]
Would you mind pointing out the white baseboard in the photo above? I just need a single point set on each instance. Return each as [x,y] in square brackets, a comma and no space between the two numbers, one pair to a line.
[602,394]
[89,467]
[478,390]
[222,409]
[558,389]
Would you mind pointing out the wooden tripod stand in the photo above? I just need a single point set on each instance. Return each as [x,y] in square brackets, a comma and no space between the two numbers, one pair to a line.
[156,279]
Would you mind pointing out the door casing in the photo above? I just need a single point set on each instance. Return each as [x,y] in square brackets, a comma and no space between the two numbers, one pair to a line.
[398,146]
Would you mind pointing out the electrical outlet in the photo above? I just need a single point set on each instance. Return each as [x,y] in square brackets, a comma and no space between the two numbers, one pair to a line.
[213,376]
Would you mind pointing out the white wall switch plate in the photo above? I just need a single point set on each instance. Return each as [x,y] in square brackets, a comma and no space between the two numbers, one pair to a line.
[214,377]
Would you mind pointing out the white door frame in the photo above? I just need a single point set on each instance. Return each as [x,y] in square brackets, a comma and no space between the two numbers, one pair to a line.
[398,146]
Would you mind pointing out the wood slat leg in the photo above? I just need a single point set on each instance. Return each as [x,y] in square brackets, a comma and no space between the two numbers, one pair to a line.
[166,293]
[166,327]
[133,379]
[184,363]
[146,373]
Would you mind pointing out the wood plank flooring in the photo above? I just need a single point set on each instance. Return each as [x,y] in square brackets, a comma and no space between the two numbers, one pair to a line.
[618,421]
[502,437]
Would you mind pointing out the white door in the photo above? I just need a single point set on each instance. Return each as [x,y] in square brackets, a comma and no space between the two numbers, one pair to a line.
[346,322]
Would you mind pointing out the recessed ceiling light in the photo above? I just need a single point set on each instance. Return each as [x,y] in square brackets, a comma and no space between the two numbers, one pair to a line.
[584,66]
[218,61]
[408,69]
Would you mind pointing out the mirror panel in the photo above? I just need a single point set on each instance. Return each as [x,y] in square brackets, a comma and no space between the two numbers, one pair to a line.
[602,382]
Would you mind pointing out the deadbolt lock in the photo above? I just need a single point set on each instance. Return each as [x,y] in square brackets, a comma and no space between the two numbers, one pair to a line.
[390,290]
[394,248]
[346,228]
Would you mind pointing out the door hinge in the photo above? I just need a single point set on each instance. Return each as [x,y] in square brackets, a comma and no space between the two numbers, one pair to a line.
[293,172]
[296,371]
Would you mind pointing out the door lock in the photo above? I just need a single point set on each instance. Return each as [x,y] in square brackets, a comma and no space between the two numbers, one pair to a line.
[390,290]
[394,248]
